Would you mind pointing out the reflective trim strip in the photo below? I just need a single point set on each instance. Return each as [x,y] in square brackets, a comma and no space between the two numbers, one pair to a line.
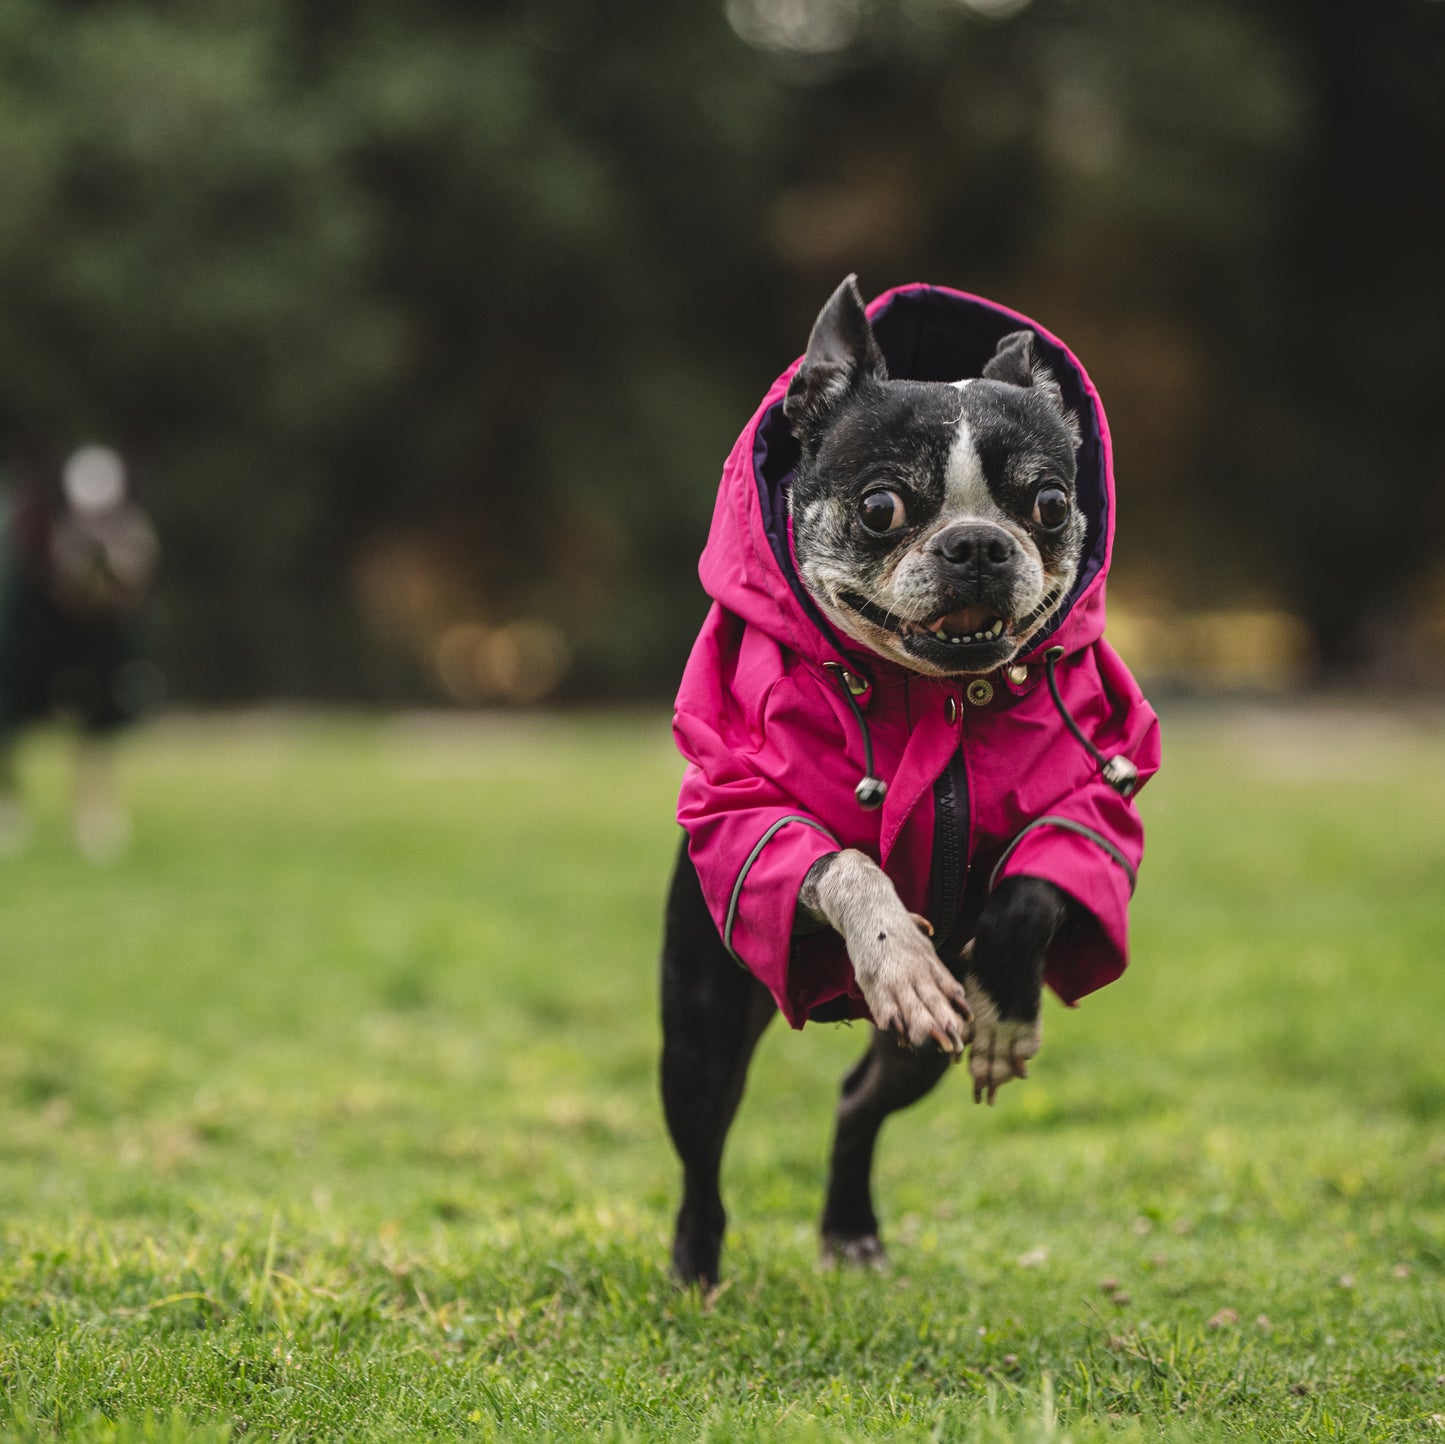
[1068,825]
[762,842]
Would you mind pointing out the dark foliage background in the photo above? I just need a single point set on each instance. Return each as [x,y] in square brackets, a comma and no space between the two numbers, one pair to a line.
[426,328]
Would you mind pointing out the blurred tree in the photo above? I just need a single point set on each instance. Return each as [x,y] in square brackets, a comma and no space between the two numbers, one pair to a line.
[1349,473]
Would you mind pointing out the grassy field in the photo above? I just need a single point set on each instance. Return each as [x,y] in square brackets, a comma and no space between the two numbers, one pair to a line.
[330,1112]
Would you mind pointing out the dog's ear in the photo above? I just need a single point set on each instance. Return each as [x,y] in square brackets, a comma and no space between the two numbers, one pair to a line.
[1016,361]
[842,352]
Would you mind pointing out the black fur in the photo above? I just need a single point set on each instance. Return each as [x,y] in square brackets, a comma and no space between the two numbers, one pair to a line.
[842,356]
[886,1078]
[1019,922]
[713,1013]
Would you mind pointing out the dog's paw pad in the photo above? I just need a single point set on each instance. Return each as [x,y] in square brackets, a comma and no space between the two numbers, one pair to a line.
[857,1251]
[1002,1047]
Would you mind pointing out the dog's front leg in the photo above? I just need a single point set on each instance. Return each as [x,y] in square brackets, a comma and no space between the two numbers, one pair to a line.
[909,992]
[1004,977]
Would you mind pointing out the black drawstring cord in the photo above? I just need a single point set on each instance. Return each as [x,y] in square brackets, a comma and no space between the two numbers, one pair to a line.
[1118,771]
[870,790]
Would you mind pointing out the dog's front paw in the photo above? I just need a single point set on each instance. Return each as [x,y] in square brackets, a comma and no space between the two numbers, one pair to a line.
[1002,1046]
[910,994]
[1003,975]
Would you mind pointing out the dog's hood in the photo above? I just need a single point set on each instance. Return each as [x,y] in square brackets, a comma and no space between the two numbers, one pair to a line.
[926,333]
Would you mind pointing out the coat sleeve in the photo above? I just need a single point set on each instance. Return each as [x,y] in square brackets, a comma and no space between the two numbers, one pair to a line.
[750,839]
[1090,843]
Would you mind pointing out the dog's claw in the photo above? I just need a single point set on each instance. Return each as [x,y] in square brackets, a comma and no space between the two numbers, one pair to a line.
[953,1047]
[923,925]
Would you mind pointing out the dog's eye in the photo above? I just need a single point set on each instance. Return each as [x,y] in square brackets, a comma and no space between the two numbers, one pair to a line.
[1051,508]
[882,511]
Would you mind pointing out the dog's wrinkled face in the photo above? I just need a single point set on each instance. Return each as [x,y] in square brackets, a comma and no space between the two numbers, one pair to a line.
[935,523]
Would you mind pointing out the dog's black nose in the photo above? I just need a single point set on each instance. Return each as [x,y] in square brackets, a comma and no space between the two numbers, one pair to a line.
[976,548]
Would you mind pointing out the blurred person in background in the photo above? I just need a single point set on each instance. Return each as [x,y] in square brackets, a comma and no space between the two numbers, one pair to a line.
[76,564]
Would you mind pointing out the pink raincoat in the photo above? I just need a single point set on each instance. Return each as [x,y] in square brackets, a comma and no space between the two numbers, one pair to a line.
[780,718]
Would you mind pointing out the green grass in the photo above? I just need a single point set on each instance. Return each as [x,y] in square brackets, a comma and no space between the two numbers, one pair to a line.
[330,1112]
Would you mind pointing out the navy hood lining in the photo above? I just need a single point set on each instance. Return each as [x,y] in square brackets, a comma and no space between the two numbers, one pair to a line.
[927,334]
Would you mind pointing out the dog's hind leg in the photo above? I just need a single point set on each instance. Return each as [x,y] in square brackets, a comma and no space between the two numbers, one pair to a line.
[887,1077]
[713,1013]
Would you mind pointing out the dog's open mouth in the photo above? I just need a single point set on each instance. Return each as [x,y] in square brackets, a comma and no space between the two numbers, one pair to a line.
[976,631]
[965,627]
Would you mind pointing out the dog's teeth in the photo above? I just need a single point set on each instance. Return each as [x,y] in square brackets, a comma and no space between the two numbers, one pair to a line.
[997,626]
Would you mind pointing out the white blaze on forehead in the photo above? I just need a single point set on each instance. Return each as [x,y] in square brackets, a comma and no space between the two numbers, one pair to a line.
[965,489]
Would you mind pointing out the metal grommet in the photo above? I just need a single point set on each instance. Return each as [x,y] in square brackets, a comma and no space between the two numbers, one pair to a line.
[950,710]
[1018,674]
[856,685]
[980,693]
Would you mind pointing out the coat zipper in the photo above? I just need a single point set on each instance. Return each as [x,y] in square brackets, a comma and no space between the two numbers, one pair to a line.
[950,854]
